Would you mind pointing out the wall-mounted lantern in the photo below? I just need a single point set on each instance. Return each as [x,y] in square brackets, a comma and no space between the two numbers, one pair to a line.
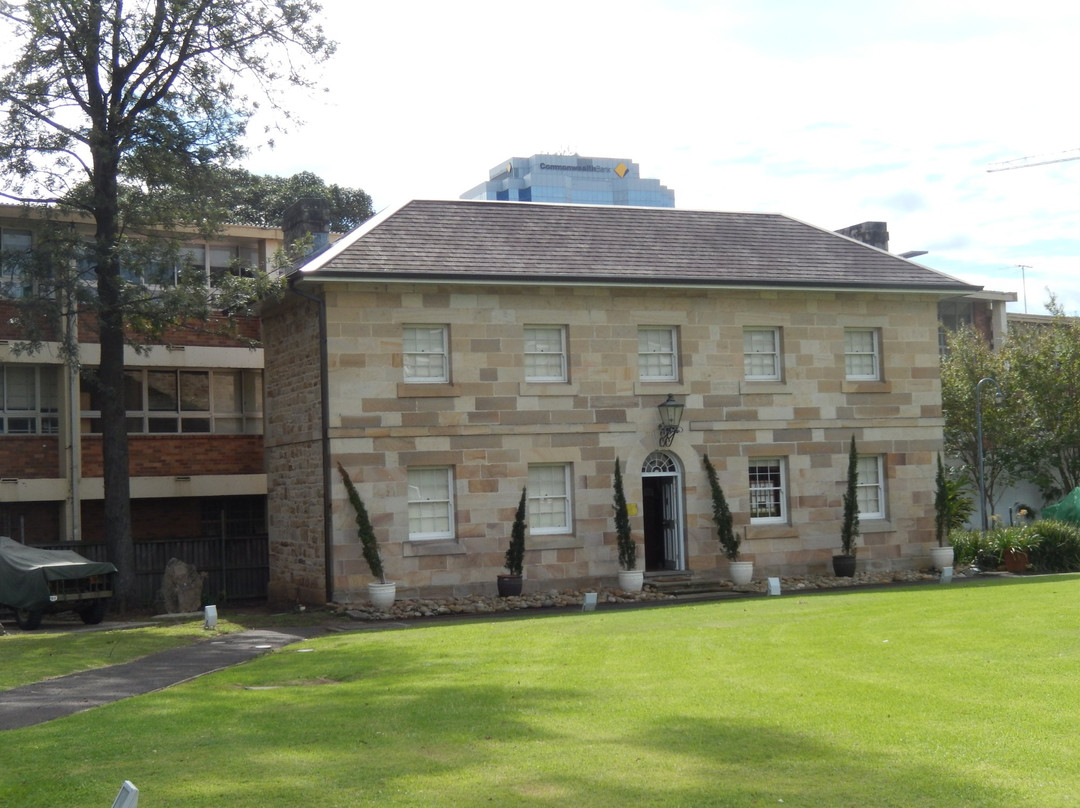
[670,417]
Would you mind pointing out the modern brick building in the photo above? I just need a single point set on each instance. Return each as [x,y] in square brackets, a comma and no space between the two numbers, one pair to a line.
[195,426]
[449,354]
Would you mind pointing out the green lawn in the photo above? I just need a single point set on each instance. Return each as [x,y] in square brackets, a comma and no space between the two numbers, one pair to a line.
[933,696]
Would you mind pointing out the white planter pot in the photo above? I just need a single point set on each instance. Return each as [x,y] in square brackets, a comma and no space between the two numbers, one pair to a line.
[382,596]
[941,557]
[741,572]
[631,580]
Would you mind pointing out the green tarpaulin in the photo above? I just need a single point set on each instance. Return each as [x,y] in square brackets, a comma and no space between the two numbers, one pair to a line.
[25,572]
[1068,510]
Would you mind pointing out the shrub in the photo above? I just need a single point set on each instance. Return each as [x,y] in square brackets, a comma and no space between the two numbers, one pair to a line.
[515,553]
[624,538]
[725,533]
[1057,546]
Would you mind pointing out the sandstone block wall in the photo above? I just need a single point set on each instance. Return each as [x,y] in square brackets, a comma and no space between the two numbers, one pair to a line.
[489,424]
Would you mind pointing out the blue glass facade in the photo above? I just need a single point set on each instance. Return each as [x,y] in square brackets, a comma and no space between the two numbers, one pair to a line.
[571,178]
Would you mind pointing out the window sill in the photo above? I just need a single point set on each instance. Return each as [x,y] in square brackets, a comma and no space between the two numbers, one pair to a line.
[418,390]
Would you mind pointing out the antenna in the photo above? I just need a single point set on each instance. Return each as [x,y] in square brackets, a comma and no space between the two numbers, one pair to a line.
[1023,282]
[1034,160]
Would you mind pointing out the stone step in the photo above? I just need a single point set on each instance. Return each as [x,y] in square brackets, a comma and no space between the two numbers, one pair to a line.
[684,584]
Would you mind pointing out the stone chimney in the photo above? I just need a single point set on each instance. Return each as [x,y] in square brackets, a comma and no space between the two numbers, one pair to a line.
[876,234]
[308,215]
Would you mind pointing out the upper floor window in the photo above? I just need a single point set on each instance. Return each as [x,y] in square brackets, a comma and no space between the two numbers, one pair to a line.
[425,357]
[29,400]
[870,489]
[862,354]
[761,354]
[768,490]
[15,251]
[545,353]
[657,354]
[549,498]
[431,503]
[223,402]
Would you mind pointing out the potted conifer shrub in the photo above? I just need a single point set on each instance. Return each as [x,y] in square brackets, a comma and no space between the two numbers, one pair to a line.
[844,563]
[942,555]
[381,593]
[631,579]
[741,572]
[510,582]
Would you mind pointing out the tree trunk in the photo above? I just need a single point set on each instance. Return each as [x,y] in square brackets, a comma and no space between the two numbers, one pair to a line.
[114,440]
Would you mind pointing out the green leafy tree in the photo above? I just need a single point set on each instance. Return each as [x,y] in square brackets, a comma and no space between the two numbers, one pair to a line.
[969,360]
[1044,389]
[260,200]
[849,531]
[126,113]
[725,532]
[623,537]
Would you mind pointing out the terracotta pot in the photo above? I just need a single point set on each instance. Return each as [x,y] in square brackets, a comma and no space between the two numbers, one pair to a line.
[1015,560]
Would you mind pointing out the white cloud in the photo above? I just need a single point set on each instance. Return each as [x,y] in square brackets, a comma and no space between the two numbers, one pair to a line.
[834,112]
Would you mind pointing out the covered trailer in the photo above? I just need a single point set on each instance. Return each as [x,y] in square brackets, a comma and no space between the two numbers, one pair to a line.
[34,581]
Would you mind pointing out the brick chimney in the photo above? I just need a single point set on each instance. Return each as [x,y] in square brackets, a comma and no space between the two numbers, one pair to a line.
[308,215]
[876,234]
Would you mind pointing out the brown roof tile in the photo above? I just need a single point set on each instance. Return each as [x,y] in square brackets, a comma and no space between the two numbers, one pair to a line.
[471,240]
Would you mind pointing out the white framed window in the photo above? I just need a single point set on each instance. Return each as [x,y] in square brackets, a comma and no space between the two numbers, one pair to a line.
[549,498]
[862,354]
[761,354]
[545,353]
[768,490]
[425,357]
[29,400]
[657,354]
[870,489]
[431,503]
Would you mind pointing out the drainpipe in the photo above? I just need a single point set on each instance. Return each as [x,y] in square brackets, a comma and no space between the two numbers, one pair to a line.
[324,387]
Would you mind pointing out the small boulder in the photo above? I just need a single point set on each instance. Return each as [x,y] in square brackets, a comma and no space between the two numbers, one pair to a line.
[182,587]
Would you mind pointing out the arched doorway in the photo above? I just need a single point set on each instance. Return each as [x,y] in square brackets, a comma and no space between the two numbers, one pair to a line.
[662,512]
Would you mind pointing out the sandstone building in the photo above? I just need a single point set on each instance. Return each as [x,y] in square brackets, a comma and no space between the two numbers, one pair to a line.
[450,353]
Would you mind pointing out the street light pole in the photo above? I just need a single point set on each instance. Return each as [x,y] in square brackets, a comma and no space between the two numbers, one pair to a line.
[979,446]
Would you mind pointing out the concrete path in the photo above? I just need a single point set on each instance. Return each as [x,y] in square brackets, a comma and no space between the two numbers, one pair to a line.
[55,698]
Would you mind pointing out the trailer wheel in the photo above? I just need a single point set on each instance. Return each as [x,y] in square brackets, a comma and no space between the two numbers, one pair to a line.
[94,613]
[28,619]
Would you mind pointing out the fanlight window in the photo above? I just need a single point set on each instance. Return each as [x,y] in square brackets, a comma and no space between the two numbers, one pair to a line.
[659,463]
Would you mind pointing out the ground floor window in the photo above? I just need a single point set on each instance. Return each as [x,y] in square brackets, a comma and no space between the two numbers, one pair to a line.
[431,503]
[768,495]
[549,498]
[870,490]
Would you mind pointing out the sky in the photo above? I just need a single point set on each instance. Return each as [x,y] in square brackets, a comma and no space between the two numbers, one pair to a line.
[830,112]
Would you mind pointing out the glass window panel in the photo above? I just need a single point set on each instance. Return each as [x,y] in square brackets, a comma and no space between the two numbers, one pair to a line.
[761,354]
[194,391]
[549,499]
[133,392]
[424,349]
[767,495]
[161,391]
[430,503]
[545,353]
[50,395]
[656,354]
[163,425]
[253,391]
[228,396]
[20,393]
[195,425]
[869,491]
[861,353]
